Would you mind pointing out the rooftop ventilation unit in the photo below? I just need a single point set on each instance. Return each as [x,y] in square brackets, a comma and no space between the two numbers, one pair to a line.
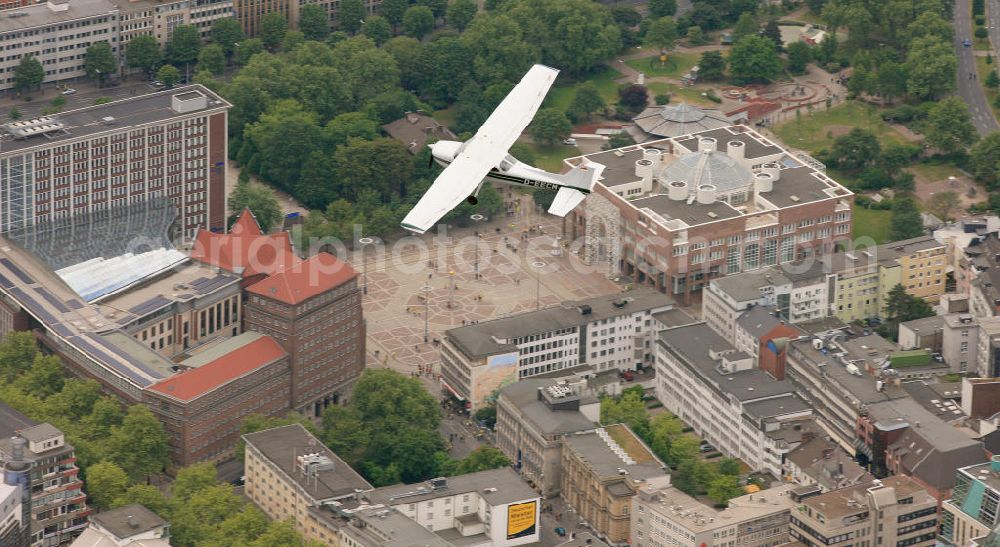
[36,126]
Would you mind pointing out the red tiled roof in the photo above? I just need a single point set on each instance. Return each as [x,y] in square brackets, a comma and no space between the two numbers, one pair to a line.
[191,384]
[245,249]
[305,279]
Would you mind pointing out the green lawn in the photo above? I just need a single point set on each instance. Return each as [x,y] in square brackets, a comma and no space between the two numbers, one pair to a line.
[936,171]
[677,65]
[550,157]
[813,133]
[872,223]
[691,95]
[991,94]
[446,117]
[562,95]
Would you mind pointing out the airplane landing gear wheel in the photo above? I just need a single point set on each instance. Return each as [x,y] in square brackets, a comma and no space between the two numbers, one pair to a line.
[472,200]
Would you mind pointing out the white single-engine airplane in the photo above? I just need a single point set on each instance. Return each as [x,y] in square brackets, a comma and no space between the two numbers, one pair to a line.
[484,157]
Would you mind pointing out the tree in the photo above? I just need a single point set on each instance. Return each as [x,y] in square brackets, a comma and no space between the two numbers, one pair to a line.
[227,32]
[347,126]
[14,113]
[712,66]
[293,39]
[383,165]
[213,59]
[984,161]
[931,66]
[773,33]
[628,409]
[754,59]
[378,29]
[890,80]
[169,75]
[746,26]
[350,17]
[633,98]
[284,136]
[662,33]
[261,201]
[44,378]
[28,74]
[487,415]
[941,204]
[106,482]
[905,222]
[99,62]
[393,10]
[901,306]
[574,35]
[184,44]
[139,445]
[684,448]
[418,21]
[799,55]
[481,459]
[949,126]
[729,466]
[723,488]
[193,479]
[586,101]
[550,126]
[248,49]
[695,36]
[857,149]
[146,495]
[461,12]
[437,7]
[314,21]
[662,8]
[273,27]
[143,52]
[684,478]
[992,80]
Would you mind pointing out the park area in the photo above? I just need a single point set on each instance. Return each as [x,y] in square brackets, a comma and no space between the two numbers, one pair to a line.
[818,131]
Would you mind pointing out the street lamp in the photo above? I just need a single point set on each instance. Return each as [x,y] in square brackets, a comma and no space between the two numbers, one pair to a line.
[451,288]
[538,265]
[477,218]
[365,241]
[426,290]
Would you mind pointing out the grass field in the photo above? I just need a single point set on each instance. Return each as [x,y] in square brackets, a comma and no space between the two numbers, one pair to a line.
[562,95]
[991,94]
[691,95]
[676,66]
[936,171]
[815,132]
[872,223]
[550,157]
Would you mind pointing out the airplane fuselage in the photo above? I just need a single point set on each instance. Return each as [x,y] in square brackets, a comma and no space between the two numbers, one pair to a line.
[509,171]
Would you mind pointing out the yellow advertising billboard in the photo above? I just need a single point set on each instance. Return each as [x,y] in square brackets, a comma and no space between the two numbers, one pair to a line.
[521,519]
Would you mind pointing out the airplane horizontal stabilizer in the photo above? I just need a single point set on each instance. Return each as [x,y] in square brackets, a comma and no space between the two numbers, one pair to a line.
[566,200]
[582,176]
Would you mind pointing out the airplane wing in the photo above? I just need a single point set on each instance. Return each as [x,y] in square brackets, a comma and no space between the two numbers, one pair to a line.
[483,151]
[565,201]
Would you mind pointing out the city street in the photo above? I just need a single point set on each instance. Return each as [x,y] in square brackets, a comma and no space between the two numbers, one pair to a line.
[970,88]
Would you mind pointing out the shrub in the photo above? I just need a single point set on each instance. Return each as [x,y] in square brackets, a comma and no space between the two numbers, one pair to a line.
[980,20]
[662,98]
[981,32]
[710,95]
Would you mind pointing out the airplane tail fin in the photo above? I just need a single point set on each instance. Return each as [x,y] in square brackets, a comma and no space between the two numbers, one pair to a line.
[582,176]
[566,199]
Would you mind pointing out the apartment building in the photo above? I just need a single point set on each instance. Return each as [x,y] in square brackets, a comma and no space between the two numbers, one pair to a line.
[288,471]
[57,33]
[159,18]
[668,517]
[250,12]
[678,212]
[924,262]
[124,526]
[955,337]
[15,503]
[203,406]
[534,416]
[602,470]
[58,505]
[891,511]
[613,332]
[821,462]
[971,513]
[742,411]
[758,326]
[162,145]
[983,256]
[313,309]
[491,508]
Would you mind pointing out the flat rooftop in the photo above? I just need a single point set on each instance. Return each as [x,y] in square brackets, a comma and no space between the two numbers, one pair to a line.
[281,445]
[676,506]
[524,396]
[853,499]
[691,345]
[38,15]
[491,337]
[497,486]
[593,446]
[130,112]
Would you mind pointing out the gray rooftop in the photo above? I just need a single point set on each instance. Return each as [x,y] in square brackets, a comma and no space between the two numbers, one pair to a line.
[524,396]
[745,287]
[691,345]
[775,407]
[693,214]
[41,432]
[715,168]
[758,321]
[863,387]
[131,112]
[673,318]
[925,325]
[583,539]
[12,421]
[509,489]
[221,349]
[754,145]
[934,400]
[377,525]
[933,451]
[606,463]
[485,338]
[39,15]
[128,521]
[680,119]
[281,445]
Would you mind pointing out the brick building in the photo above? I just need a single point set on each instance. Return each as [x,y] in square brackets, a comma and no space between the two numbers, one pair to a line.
[678,212]
[169,144]
[202,408]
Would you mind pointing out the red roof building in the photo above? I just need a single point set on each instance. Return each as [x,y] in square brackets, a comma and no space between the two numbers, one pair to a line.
[246,249]
[305,279]
[247,374]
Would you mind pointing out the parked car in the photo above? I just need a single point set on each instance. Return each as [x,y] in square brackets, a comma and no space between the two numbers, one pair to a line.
[706,448]
[560,531]
[240,481]
[967,42]
[569,142]
[69,91]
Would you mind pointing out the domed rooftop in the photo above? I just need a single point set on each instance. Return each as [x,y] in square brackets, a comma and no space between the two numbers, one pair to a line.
[680,119]
[715,168]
